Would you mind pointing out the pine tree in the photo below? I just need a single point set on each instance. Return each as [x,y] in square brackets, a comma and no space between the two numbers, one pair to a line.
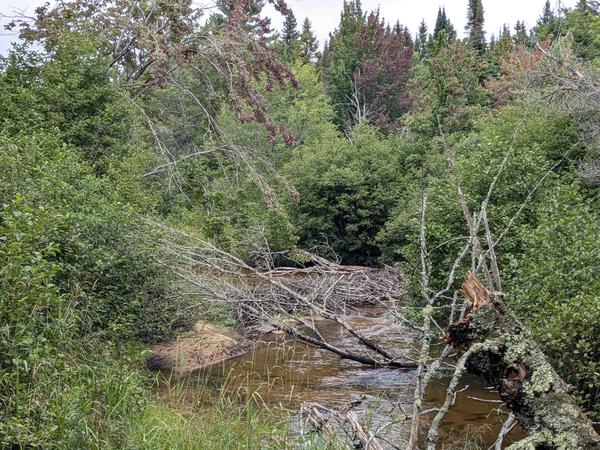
[253,8]
[440,22]
[492,42]
[288,42]
[583,23]
[421,40]
[546,23]
[450,30]
[547,15]
[290,34]
[500,49]
[474,26]
[589,6]
[341,57]
[582,5]
[521,37]
[308,44]
[405,32]
[443,24]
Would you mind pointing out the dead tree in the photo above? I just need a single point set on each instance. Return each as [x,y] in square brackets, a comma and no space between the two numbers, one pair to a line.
[328,422]
[291,300]
[492,342]
[509,358]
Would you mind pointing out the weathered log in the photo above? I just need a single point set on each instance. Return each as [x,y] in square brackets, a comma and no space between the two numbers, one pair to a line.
[511,360]
[327,421]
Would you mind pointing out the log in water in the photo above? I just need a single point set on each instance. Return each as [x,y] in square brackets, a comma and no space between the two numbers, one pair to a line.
[280,371]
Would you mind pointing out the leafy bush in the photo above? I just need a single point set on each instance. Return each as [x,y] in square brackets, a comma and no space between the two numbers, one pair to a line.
[554,287]
[51,394]
[103,248]
[539,141]
[347,189]
[549,259]
[80,280]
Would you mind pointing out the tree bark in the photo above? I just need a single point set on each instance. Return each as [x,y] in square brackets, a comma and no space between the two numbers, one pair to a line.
[511,360]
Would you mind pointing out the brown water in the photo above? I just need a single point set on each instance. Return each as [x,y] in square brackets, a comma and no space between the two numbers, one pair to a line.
[285,372]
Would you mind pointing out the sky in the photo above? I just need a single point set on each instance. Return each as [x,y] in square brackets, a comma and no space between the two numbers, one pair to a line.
[325,14]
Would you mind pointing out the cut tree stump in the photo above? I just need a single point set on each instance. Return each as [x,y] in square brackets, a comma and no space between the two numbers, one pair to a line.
[512,361]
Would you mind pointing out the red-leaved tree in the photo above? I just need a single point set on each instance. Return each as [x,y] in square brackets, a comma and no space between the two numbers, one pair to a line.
[148,41]
[384,74]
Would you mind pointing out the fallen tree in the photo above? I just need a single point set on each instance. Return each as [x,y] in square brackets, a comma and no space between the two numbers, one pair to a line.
[510,359]
[492,342]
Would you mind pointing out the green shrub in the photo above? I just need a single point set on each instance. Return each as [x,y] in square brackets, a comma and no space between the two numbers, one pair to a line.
[58,389]
[347,189]
[554,287]
[81,277]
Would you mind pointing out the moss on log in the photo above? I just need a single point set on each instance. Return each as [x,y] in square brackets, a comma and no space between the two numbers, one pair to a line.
[514,363]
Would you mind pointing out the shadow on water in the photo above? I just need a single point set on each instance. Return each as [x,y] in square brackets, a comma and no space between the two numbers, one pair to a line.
[285,373]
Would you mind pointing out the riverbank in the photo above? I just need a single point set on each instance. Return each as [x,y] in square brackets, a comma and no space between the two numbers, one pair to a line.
[205,345]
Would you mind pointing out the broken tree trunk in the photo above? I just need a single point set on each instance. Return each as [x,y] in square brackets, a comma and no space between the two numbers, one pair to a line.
[512,361]
[328,421]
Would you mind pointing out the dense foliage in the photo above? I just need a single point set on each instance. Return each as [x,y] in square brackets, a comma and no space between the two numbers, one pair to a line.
[78,274]
[262,141]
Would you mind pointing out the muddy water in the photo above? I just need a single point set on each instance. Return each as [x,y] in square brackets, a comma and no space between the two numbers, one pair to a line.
[286,373]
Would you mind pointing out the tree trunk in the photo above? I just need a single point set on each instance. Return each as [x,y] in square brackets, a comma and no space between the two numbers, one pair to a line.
[512,361]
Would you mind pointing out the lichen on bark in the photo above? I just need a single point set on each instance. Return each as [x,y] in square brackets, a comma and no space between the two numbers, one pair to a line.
[517,366]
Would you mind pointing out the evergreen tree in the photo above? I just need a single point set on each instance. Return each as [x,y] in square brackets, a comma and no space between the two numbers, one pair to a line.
[443,33]
[474,26]
[290,34]
[521,36]
[442,23]
[449,88]
[547,15]
[500,49]
[288,43]
[591,6]
[492,42]
[402,30]
[253,8]
[308,44]
[583,23]
[421,40]
[341,57]
[546,24]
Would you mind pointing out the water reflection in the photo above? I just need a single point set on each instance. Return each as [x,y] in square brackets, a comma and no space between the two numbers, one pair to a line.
[285,372]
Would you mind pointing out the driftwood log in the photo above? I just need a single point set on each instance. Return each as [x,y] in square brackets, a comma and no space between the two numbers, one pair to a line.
[510,359]
[328,422]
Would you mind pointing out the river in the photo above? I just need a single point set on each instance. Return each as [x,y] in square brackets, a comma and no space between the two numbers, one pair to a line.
[284,372]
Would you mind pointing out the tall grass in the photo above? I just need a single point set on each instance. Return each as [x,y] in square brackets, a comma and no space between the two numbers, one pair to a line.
[190,414]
